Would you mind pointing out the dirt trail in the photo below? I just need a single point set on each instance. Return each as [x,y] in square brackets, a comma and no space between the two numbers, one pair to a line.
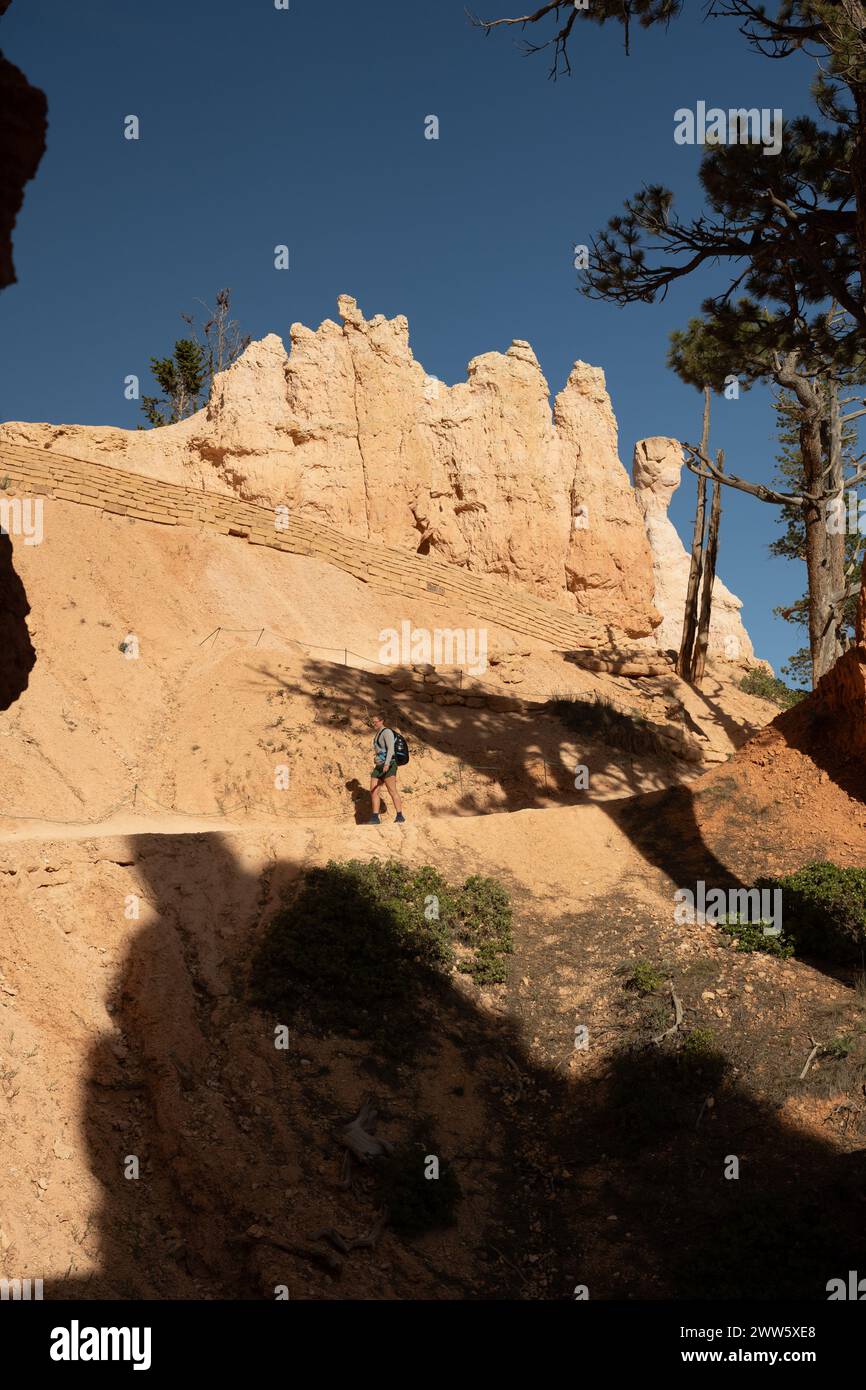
[541,847]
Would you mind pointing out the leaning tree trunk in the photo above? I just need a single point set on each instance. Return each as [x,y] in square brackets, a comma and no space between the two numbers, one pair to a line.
[690,613]
[702,640]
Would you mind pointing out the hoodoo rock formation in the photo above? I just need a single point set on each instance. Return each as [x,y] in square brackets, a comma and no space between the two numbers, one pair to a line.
[656,470]
[349,429]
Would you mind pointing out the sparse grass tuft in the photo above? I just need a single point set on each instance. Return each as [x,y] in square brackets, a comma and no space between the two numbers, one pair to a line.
[839,1047]
[699,1043]
[642,977]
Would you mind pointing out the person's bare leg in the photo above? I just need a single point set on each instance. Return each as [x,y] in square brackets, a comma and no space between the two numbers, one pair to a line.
[375,793]
[391,789]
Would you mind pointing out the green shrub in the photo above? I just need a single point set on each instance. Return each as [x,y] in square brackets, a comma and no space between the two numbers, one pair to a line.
[701,1064]
[642,977]
[699,1043]
[759,682]
[361,947]
[839,1047]
[480,917]
[655,1092]
[825,910]
[415,1202]
[750,937]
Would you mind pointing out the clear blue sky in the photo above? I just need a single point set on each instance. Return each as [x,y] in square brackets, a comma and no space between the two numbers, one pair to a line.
[306,127]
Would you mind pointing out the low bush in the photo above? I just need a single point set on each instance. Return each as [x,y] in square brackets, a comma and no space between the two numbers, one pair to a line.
[416,1200]
[824,910]
[361,948]
[751,937]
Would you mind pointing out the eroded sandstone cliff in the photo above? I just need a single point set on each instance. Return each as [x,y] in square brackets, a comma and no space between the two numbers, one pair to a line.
[349,428]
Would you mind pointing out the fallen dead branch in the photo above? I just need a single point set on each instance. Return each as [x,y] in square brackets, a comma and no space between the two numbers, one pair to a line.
[678,1015]
[359,1136]
[345,1246]
[810,1059]
[708,1103]
[505,1260]
[323,1258]
[843,1108]
[518,1073]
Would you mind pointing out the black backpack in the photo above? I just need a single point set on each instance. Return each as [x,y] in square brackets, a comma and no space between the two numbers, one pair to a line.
[401,749]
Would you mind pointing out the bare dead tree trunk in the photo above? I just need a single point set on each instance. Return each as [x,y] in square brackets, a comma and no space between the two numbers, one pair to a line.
[702,641]
[825,552]
[824,557]
[834,483]
[690,612]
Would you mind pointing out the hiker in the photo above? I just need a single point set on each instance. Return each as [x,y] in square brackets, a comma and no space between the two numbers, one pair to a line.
[384,773]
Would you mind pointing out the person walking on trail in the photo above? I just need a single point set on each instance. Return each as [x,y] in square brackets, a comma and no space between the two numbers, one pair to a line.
[384,772]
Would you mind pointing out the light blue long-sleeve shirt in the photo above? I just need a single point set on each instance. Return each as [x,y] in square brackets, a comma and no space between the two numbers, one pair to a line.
[383,747]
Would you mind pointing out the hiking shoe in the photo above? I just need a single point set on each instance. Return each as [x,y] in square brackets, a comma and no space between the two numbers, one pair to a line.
[374,820]
[400,818]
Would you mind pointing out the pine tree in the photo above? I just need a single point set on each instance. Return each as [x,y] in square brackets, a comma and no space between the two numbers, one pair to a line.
[831,31]
[181,379]
[185,378]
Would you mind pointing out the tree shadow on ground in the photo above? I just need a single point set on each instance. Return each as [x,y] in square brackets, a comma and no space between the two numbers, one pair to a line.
[712,830]
[505,760]
[613,1177]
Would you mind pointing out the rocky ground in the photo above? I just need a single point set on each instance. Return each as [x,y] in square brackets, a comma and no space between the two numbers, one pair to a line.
[127,1029]
[600,1165]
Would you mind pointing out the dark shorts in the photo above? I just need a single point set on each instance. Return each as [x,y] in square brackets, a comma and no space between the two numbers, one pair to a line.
[383,772]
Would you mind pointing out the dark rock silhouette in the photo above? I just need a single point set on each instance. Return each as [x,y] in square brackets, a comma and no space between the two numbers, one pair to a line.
[22,144]
[23,111]
[17,657]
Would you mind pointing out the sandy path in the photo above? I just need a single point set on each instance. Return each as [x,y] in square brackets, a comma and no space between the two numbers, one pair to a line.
[568,852]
